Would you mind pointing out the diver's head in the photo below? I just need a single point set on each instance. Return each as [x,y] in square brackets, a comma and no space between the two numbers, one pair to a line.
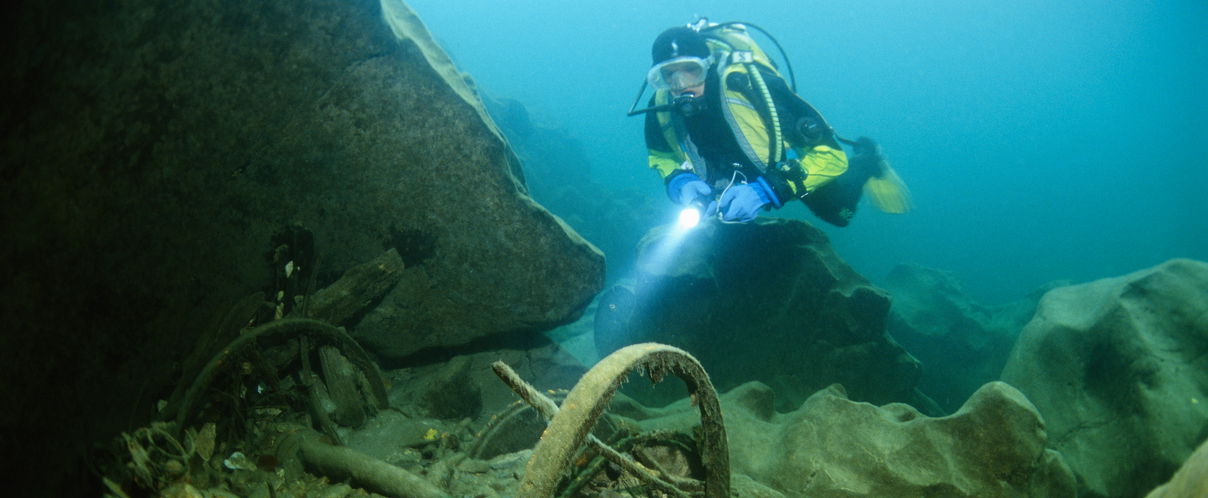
[679,41]
[681,62]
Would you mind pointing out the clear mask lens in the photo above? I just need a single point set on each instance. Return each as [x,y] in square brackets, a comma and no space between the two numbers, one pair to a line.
[678,74]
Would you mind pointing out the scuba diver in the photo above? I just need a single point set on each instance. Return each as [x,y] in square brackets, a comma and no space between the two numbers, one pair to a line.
[731,138]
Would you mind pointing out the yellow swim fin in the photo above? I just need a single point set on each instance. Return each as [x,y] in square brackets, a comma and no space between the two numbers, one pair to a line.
[887,190]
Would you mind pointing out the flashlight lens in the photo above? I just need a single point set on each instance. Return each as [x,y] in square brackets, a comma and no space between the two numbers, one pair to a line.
[688,218]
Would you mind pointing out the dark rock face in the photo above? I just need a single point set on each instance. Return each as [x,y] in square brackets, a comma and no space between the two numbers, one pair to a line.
[961,343]
[151,151]
[767,301]
[1119,370]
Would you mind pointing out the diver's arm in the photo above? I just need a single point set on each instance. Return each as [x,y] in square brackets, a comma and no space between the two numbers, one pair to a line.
[817,150]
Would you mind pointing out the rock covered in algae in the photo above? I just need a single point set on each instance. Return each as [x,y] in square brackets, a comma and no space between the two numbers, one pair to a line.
[832,446]
[1119,369]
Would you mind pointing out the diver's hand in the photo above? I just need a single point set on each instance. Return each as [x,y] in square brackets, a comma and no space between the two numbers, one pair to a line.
[685,188]
[741,203]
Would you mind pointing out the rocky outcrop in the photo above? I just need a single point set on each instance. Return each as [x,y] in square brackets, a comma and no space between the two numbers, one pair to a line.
[1119,369]
[558,171]
[767,301]
[832,446]
[499,262]
[152,150]
[961,343]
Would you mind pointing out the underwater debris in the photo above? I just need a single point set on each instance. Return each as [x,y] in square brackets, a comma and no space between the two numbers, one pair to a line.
[571,424]
[238,461]
[356,291]
[347,463]
[261,379]
[515,428]
[158,458]
[281,331]
[293,260]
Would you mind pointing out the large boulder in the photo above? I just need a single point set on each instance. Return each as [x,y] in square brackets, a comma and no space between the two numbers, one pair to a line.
[767,301]
[152,150]
[832,446]
[1119,369]
[558,171]
[498,262]
[961,343]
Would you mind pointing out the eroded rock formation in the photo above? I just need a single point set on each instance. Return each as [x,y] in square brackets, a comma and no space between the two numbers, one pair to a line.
[1119,370]
[832,446]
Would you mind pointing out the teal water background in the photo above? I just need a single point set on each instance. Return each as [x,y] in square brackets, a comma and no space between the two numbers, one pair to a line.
[1042,140]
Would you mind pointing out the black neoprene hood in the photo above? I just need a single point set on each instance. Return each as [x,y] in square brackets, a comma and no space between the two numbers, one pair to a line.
[679,41]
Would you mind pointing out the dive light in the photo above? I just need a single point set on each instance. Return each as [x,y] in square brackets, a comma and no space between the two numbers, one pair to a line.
[690,216]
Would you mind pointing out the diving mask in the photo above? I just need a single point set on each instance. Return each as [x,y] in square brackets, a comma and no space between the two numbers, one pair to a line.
[678,74]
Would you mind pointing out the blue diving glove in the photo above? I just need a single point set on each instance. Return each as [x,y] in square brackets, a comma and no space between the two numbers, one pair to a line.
[685,188]
[741,203]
